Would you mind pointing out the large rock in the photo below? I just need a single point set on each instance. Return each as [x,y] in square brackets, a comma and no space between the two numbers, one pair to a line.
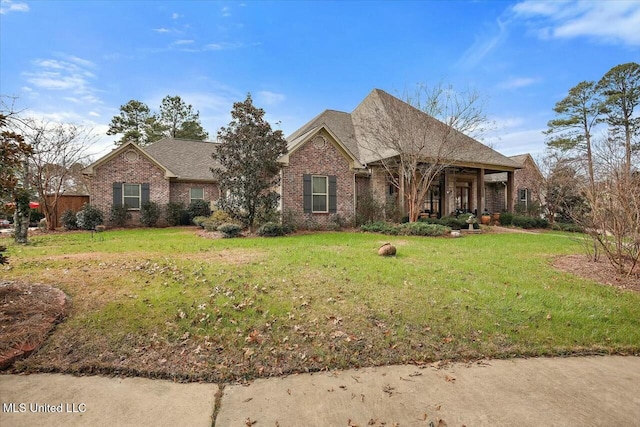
[387,250]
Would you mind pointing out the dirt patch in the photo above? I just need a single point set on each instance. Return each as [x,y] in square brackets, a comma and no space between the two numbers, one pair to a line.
[27,314]
[601,272]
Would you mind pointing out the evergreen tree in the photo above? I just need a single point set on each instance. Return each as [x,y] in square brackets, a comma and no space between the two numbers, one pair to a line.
[247,167]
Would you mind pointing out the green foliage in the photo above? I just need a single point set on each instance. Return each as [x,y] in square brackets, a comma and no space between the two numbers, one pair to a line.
[506,218]
[248,170]
[136,123]
[119,215]
[271,229]
[199,220]
[198,208]
[291,221]
[230,230]
[568,227]
[89,217]
[180,120]
[217,218]
[407,229]
[176,214]
[3,258]
[149,214]
[454,223]
[69,221]
[368,209]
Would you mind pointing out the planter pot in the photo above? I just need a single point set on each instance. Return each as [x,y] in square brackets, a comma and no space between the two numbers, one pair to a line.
[496,218]
[485,219]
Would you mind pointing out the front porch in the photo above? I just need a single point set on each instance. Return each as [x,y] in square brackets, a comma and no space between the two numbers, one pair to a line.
[454,191]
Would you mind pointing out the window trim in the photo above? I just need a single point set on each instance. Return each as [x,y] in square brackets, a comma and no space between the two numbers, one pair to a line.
[521,192]
[325,194]
[191,198]
[139,197]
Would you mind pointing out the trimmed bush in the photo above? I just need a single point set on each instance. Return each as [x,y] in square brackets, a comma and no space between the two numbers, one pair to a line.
[568,227]
[407,229]
[423,229]
[229,230]
[89,217]
[149,214]
[69,221]
[175,214]
[198,220]
[119,215]
[506,218]
[198,208]
[271,229]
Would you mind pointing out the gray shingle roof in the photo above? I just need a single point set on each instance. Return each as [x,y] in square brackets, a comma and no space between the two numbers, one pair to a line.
[188,160]
[380,116]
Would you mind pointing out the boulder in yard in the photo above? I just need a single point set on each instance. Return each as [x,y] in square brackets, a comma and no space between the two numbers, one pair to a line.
[387,250]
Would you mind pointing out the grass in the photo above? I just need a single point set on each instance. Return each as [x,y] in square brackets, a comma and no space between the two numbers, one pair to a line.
[167,303]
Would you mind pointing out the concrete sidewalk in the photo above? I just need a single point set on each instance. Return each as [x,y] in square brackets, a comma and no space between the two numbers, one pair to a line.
[580,391]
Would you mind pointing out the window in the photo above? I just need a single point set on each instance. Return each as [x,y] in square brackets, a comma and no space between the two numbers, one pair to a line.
[320,194]
[462,198]
[196,194]
[522,195]
[131,195]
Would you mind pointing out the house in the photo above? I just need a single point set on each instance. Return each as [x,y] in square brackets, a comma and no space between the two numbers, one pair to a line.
[332,162]
[169,170]
[528,184]
[336,158]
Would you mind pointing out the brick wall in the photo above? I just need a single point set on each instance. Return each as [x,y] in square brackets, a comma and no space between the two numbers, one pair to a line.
[133,171]
[310,159]
[528,177]
[180,191]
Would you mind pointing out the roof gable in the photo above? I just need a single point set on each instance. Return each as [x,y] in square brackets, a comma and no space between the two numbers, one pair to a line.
[90,170]
[309,131]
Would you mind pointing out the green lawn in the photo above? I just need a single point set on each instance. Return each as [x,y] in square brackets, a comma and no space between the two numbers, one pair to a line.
[166,302]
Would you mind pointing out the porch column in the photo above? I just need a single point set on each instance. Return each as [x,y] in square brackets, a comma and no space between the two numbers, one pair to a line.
[510,191]
[480,191]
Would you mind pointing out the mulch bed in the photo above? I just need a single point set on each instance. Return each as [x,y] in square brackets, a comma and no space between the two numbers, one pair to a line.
[601,271]
[28,312]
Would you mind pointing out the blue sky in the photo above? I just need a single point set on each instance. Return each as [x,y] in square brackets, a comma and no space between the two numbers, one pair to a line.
[78,61]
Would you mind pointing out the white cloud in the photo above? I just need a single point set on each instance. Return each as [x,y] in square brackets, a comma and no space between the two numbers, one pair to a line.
[484,45]
[223,46]
[606,21]
[518,142]
[269,98]
[7,6]
[226,11]
[175,15]
[162,30]
[94,114]
[182,42]
[518,82]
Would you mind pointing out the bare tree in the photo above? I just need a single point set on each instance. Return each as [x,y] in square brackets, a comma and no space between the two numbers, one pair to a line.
[57,150]
[415,143]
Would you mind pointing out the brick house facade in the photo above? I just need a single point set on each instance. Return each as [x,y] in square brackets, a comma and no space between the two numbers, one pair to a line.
[175,171]
[528,185]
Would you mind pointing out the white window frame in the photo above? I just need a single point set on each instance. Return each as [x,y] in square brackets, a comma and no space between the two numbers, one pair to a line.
[325,194]
[139,197]
[191,198]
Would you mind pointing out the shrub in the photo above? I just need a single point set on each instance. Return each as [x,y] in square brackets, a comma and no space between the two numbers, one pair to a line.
[198,208]
[3,258]
[506,218]
[230,230]
[220,217]
[271,229]
[380,227]
[338,222]
[291,221]
[368,209]
[119,215]
[149,214]
[69,221]
[568,227]
[423,229]
[407,229]
[175,214]
[198,220]
[88,217]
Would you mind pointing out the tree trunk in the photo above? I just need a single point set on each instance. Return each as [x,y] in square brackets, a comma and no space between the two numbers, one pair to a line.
[21,223]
